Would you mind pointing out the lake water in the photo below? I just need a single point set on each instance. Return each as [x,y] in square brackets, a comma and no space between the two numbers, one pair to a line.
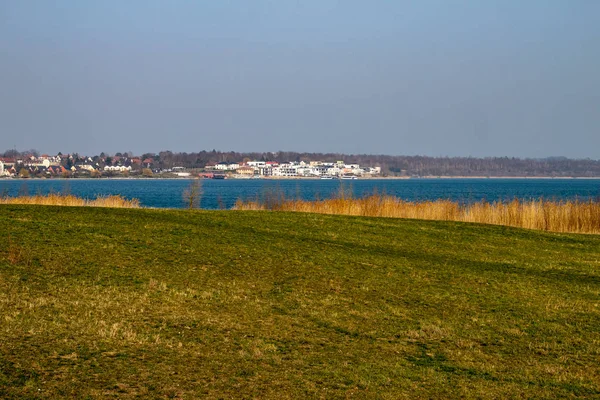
[168,193]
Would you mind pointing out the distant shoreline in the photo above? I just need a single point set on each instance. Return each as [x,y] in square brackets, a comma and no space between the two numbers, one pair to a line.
[501,177]
[274,178]
[439,177]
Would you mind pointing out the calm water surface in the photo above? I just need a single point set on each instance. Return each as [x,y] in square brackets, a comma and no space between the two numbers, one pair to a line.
[167,193]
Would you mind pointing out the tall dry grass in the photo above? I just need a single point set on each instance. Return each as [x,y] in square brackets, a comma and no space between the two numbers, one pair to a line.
[558,216]
[56,199]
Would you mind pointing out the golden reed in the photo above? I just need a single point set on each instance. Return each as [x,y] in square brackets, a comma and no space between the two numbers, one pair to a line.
[557,216]
[70,200]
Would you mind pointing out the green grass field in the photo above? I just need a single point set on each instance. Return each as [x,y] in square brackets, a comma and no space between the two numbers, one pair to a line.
[240,304]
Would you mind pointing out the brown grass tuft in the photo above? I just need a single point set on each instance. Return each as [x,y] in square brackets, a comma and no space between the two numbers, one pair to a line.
[573,216]
[17,254]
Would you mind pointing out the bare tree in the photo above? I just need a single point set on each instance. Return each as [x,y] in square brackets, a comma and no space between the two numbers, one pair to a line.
[193,194]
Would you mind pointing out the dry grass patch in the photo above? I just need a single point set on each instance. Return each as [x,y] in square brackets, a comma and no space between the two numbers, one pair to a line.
[55,199]
[557,216]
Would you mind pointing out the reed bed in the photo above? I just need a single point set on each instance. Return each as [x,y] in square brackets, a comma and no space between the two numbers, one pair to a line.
[57,199]
[558,216]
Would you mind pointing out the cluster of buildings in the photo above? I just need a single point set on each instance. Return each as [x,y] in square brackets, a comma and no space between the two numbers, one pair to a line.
[61,165]
[294,169]
[32,165]
[82,166]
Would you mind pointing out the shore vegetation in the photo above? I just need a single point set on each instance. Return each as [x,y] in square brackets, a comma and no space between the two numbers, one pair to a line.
[59,199]
[573,216]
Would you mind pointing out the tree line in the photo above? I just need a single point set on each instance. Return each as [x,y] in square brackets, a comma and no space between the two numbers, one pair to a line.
[403,165]
[390,165]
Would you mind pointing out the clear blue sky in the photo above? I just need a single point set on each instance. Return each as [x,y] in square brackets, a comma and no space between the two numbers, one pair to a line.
[441,78]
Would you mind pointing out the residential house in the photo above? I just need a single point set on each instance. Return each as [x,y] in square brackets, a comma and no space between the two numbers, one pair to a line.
[148,162]
[87,166]
[333,170]
[117,168]
[245,170]
[56,170]
[265,170]
[305,170]
[225,166]
[285,169]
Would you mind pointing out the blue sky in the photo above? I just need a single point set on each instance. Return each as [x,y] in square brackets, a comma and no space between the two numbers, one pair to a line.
[440,78]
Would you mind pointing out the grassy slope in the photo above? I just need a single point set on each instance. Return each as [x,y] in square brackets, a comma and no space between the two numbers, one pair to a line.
[272,305]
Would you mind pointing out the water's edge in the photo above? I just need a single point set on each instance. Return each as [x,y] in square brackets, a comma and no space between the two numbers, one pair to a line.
[168,193]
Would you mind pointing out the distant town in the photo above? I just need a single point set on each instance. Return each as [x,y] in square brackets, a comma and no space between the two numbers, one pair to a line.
[233,165]
[125,165]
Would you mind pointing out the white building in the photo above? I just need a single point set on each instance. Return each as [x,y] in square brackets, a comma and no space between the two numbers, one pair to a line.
[285,170]
[373,170]
[306,171]
[333,171]
[258,164]
[224,166]
[87,167]
[321,169]
[117,168]
[265,170]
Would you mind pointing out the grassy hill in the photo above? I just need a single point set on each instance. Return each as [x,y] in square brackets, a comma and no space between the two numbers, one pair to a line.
[186,304]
